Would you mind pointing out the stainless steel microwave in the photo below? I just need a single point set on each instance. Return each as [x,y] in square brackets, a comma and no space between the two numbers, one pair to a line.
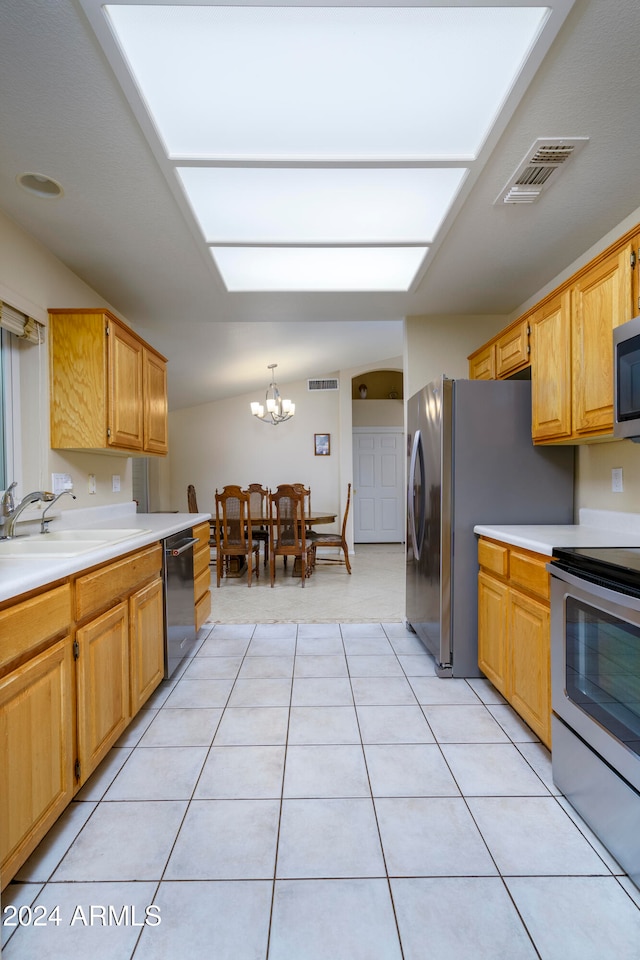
[626,380]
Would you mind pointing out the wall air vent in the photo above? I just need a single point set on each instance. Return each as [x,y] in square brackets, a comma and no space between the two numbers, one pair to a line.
[330,383]
[540,168]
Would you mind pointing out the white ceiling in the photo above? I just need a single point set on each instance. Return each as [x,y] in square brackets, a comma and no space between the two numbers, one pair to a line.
[121,229]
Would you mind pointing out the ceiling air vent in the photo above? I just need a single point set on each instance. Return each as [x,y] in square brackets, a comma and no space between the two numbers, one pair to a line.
[331,383]
[540,168]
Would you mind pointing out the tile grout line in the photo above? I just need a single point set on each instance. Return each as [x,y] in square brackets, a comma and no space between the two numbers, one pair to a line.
[375,814]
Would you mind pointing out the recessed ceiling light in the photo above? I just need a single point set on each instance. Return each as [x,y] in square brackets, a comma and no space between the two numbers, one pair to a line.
[41,186]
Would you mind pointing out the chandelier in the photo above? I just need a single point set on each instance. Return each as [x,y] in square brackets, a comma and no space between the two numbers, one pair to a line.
[278,410]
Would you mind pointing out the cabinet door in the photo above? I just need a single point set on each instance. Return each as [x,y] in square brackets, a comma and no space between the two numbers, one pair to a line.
[493,605]
[512,350]
[635,261]
[530,672]
[601,300]
[482,363]
[155,403]
[102,685]
[551,370]
[36,752]
[125,389]
[146,643]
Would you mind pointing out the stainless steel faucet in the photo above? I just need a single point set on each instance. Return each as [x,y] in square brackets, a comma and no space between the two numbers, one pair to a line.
[43,523]
[14,512]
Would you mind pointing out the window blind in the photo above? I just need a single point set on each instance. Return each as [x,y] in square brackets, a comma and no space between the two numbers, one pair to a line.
[20,325]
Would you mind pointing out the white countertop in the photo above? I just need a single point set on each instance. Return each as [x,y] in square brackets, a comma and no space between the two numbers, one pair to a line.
[596,528]
[19,575]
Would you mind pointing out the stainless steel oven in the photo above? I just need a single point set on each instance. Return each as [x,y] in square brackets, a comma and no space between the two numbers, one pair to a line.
[595,684]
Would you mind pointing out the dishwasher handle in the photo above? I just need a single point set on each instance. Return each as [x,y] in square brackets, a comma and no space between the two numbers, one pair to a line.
[184,546]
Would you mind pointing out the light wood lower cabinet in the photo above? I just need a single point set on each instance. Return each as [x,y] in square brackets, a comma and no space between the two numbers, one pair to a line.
[530,680]
[201,573]
[514,632]
[146,643]
[77,661]
[103,686]
[493,628]
[36,752]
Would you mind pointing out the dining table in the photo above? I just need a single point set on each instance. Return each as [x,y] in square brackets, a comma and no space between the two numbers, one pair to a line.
[238,565]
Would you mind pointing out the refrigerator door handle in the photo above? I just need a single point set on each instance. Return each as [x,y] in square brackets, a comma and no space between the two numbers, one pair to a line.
[416,452]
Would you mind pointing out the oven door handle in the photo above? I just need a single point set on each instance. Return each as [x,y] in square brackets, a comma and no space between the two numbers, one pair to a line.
[591,588]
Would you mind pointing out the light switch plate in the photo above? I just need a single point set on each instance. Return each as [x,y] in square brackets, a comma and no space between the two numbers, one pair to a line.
[115,483]
[617,485]
[60,482]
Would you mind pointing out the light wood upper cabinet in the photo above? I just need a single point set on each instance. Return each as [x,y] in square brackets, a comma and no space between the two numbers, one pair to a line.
[571,347]
[126,413]
[512,350]
[551,370]
[36,752]
[600,301]
[482,363]
[635,275]
[155,403]
[108,387]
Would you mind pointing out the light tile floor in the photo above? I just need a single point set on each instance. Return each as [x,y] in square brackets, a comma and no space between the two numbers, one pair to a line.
[314,792]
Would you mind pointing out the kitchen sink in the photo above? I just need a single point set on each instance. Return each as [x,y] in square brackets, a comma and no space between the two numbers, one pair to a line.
[28,547]
[105,536]
[64,543]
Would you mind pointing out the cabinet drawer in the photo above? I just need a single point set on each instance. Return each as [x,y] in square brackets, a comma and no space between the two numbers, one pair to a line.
[494,557]
[104,586]
[202,532]
[201,584]
[203,609]
[201,560]
[529,571]
[26,625]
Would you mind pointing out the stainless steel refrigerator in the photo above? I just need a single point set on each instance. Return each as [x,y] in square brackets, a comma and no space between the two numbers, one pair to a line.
[471,461]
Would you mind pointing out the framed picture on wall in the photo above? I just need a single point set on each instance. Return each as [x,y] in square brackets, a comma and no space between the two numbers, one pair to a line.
[322,444]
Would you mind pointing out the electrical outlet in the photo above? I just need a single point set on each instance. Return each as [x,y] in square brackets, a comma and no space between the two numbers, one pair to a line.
[617,485]
[92,483]
[115,483]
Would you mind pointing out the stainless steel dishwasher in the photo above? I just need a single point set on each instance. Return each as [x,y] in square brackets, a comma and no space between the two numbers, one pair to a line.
[179,605]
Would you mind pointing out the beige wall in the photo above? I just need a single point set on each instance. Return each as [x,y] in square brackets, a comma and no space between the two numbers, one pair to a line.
[436,345]
[33,280]
[221,443]
[378,413]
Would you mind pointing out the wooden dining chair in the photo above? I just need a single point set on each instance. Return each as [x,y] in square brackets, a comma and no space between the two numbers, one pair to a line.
[288,533]
[233,531]
[333,540]
[259,503]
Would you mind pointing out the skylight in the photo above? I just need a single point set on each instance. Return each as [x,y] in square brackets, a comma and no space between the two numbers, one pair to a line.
[351,128]
[318,269]
[320,205]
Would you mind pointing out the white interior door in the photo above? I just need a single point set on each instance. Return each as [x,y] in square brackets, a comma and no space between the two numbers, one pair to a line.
[378,480]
